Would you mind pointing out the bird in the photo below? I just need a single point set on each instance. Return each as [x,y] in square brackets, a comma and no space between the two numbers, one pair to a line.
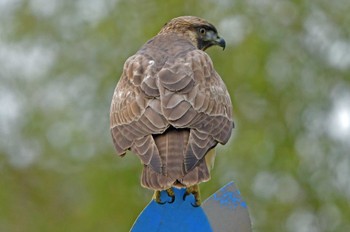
[171,108]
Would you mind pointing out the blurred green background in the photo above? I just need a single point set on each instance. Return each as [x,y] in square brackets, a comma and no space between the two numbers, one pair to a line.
[287,68]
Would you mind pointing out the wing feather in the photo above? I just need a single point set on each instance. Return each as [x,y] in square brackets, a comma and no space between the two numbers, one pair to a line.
[135,111]
[185,92]
[204,106]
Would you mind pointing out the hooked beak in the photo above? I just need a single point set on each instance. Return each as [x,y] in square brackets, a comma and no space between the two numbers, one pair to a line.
[220,42]
[211,39]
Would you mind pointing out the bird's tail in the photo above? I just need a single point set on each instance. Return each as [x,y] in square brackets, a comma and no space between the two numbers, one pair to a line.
[172,146]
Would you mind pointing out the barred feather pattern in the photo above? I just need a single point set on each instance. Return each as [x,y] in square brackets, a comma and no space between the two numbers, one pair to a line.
[170,107]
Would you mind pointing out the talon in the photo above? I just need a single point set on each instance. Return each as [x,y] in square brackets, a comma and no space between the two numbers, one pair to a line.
[172,199]
[185,195]
[195,191]
[195,204]
[171,194]
[160,202]
[156,197]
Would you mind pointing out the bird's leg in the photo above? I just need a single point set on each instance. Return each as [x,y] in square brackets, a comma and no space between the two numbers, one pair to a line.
[194,189]
[156,197]
[169,191]
[171,194]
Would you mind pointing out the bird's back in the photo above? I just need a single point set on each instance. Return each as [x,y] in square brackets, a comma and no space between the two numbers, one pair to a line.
[171,108]
[173,143]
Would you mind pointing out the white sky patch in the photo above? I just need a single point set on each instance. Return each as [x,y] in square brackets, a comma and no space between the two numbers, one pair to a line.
[265,185]
[302,220]
[339,54]
[8,6]
[94,10]
[21,152]
[324,37]
[24,152]
[339,118]
[44,7]
[341,175]
[235,28]
[344,118]
[24,60]
[10,109]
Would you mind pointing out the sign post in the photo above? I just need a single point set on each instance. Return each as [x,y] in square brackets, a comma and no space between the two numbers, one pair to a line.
[224,211]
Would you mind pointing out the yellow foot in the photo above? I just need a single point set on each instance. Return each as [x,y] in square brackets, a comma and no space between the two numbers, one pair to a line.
[169,191]
[195,191]
[156,197]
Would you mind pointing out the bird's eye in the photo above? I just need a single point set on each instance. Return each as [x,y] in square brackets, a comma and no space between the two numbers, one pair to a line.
[202,31]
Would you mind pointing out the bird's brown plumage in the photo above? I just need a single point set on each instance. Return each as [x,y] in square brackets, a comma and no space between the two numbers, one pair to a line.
[170,107]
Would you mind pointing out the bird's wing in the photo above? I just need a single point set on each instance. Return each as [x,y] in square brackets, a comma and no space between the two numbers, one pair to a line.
[194,96]
[136,113]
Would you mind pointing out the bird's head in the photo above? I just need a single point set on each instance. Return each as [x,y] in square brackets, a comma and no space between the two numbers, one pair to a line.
[199,31]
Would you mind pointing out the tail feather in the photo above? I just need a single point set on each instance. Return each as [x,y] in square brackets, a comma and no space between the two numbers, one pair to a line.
[172,146]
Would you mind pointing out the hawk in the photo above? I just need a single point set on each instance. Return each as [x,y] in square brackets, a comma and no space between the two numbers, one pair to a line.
[171,108]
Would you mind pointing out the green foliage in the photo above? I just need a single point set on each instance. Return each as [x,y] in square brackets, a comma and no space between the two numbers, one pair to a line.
[287,68]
